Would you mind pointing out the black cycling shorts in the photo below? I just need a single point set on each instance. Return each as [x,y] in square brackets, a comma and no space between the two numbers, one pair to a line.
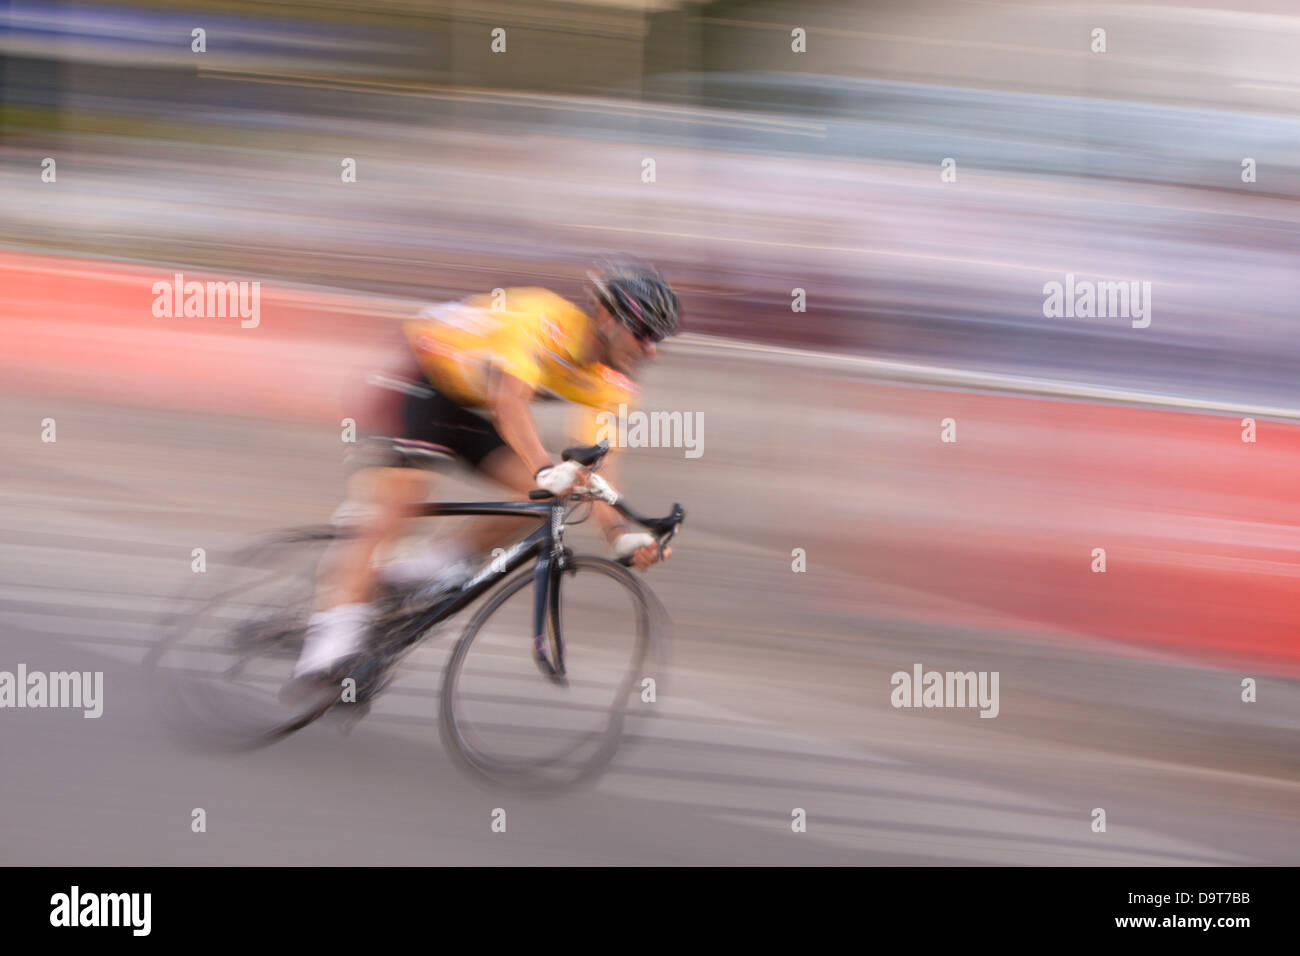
[404,404]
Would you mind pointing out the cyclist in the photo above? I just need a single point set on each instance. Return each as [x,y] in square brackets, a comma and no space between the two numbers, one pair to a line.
[467,376]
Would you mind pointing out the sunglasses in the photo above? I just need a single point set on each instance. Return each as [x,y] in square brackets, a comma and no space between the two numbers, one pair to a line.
[643,332]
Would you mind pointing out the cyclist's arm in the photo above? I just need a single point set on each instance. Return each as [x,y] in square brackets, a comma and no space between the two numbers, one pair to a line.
[587,425]
[509,406]
[613,524]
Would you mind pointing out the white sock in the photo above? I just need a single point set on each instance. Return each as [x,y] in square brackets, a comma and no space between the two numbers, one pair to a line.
[332,635]
[430,560]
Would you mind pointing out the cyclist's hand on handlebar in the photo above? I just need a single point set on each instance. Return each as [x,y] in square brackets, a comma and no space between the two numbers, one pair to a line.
[644,557]
[560,479]
[641,550]
[648,556]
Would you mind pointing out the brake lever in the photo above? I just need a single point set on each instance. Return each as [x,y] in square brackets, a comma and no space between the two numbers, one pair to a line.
[663,542]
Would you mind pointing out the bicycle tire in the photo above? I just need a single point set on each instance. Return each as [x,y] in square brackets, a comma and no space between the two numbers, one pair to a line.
[207,710]
[555,771]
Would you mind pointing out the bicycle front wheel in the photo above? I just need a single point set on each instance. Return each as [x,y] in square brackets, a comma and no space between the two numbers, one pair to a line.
[505,722]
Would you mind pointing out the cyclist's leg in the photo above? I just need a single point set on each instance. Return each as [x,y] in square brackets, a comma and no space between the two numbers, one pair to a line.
[381,497]
[504,467]
[475,439]
[507,469]
[376,511]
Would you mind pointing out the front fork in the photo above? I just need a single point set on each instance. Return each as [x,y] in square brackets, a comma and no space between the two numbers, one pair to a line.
[546,603]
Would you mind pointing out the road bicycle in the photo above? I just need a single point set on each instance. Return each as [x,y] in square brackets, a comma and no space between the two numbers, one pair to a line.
[222,667]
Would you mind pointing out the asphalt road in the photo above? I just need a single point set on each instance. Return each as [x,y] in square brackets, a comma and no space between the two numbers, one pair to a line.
[779,696]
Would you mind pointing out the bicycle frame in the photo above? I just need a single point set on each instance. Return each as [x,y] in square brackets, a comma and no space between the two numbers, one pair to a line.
[546,544]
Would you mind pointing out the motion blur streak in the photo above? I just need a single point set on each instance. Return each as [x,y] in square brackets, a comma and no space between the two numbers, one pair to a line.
[1173,158]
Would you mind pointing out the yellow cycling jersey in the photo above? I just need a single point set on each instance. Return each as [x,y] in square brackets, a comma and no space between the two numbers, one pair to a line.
[530,333]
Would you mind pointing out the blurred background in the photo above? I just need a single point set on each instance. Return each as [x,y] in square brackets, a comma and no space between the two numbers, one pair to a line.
[794,147]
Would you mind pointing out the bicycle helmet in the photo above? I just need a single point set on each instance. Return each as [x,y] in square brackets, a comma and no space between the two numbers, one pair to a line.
[638,297]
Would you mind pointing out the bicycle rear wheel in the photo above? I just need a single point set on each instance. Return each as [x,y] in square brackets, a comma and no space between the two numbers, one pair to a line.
[219,670]
[509,725]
